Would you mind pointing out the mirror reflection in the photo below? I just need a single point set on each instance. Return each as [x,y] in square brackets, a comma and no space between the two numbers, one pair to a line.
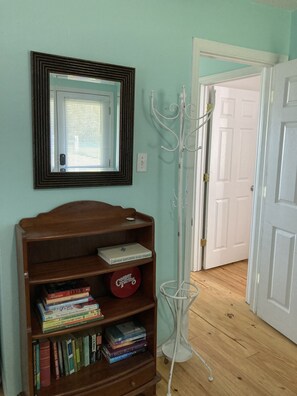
[84,124]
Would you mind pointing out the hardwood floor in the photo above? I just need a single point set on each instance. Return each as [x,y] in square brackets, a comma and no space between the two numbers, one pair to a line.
[248,357]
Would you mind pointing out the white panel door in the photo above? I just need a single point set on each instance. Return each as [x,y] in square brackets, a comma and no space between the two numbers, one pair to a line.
[231,175]
[277,293]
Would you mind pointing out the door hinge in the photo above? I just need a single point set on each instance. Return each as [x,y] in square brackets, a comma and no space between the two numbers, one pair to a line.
[206,177]
[203,242]
[271,96]
[258,278]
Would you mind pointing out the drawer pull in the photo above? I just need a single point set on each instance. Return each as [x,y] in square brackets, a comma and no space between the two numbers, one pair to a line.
[133,383]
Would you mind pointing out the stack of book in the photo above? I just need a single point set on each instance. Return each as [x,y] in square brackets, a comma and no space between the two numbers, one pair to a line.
[65,355]
[124,340]
[66,304]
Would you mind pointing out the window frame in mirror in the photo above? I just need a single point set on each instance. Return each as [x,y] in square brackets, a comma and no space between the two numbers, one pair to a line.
[42,65]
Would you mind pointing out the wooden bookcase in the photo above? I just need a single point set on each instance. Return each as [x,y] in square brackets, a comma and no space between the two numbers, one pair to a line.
[62,245]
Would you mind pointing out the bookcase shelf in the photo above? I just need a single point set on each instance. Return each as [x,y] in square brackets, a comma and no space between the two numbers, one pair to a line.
[61,245]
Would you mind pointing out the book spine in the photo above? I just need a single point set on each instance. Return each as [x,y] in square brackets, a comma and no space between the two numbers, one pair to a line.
[86,349]
[70,319]
[66,293]
[70,355]
[66,312]
[74,354]
[77,354]
[98,344]
[55,359]
[129,348]
[130,258]
[45,371]
[60,356]
[65,357]
[72,324]
[58,306]
[37,366]
[92,343]
[34,346]
[121,357]
[67,298]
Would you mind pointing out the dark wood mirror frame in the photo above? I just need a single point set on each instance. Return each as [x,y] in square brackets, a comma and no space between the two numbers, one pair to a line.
[41,67]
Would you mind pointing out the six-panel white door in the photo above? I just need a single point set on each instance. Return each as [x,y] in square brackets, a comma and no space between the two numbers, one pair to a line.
[231,176]
[277,289]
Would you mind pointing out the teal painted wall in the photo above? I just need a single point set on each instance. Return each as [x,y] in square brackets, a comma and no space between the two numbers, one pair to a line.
[153,36]
[293,43]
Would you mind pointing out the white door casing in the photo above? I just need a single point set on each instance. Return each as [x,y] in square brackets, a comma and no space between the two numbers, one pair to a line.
[277,291]
[231,175]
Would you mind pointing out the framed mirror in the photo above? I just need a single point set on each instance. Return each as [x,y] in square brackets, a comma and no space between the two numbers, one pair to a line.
[83,118]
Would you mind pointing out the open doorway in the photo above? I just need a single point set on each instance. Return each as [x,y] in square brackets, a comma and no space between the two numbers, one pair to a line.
[251,62]
[229,173]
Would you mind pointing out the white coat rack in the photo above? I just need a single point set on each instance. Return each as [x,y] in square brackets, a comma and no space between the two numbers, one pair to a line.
[179,293]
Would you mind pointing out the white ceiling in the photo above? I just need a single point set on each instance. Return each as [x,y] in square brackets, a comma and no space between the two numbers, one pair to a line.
[286,4]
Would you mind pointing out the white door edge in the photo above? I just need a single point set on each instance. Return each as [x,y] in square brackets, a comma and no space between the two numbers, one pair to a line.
[260,59]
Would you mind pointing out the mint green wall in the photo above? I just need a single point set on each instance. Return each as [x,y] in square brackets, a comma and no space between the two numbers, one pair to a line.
[153,36]
[293,43]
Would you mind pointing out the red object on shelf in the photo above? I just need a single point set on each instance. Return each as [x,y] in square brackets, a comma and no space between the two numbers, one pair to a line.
[124,283]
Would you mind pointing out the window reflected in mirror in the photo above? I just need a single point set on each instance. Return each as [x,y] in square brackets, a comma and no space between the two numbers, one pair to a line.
[84,124]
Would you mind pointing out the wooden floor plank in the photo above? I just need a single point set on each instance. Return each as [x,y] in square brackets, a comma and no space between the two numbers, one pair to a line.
[248,357]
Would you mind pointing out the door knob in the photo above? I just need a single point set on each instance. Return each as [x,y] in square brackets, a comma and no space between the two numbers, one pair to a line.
[252,187]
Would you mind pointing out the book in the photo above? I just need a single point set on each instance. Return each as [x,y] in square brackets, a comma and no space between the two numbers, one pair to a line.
[70,355]
[44,357]
[67,325]
[86,349]
[60,358]
[37,351]
[66,311]
[125,349]
[34,347]
[128,331]
[124,343]
[122,356]
[92,346]
[54,358]
[98,344]
[122,253]
[64,304]
[64,289]
[65,298]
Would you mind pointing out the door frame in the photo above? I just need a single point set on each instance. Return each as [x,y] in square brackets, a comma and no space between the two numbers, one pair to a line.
[262,61]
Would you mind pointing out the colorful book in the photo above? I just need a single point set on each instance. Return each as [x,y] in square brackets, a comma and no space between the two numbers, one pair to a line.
[70,355]
[125,349]
[66,311]
[77,355]
[64,289]
[64,326]
[66,298]
[63,321]
[58,306]
[122,253]
[122,356]
[45,361]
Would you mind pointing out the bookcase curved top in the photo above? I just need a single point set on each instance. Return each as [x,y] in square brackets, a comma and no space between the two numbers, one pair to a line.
[80,218]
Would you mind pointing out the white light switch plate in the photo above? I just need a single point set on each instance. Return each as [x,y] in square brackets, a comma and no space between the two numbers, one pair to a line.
[141,162]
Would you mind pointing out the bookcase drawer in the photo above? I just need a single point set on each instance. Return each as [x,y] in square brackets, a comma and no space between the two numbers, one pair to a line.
[128,384]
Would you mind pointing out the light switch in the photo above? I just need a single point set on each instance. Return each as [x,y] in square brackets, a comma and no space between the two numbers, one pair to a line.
[141,162]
